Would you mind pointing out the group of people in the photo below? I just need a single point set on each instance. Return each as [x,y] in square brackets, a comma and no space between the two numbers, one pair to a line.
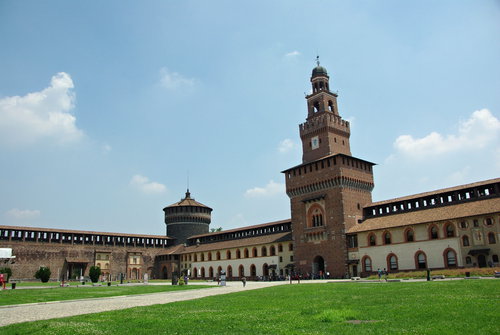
[381,273]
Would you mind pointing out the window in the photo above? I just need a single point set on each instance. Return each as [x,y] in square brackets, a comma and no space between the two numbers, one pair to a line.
[218,256]
[409,235]
[468,260]
[352,241]
[463,225]
[210,257]
[449,230]
[476,223]
[421,261]
[254,252]
[291,258]
[263,251]
[387,238]
[465,241]
[315,216]
[196,257]
[280,247]
[491,238]
[238,253]
[372,239]
[272,251]
[228,254]
[290,247]
[245,253]
[433,233]
[450,258]
[494,258]
[488,221]
[392,261]
[202,256]
[367,264]
[281,259]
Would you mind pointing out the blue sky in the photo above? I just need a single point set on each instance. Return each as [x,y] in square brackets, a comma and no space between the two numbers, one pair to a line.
[107,106]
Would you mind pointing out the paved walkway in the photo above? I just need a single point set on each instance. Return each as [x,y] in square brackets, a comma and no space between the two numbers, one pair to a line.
[57,309]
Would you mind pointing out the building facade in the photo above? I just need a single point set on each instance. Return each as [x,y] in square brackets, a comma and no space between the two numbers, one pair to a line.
[335,228]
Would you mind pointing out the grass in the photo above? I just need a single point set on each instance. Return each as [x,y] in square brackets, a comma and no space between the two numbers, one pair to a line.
[447,307]
[459,273]
[11,297]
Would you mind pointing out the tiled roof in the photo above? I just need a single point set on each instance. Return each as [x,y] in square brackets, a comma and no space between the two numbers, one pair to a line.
[443,190]
[262,225]
[188,202]
[241,242]
[473,208]
[326,157]
[81,232]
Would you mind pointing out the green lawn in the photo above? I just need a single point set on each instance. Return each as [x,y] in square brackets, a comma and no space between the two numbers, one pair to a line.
[447,307]
[10,297]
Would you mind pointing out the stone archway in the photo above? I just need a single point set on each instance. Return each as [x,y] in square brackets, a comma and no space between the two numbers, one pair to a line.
[318,266]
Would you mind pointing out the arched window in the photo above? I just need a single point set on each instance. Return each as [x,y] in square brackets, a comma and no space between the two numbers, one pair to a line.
[491,238]
[218,255]
[330,106]
[202,272]
[272,251]
[241,271]
[420,260]
[210,272]
[245,253]
[290,247]
[280,247]
[219,270]
[465,241]
[409,235]
[238,253]
[372,240]
[315,216]
[209,255]
[196,257]
[449,230]
[254,252]
[263,251]
[450,258]
[202,256]
[195,272]
[228,254]
[387,237]
[367,264]
[229,273]
[392,262]
[433,232]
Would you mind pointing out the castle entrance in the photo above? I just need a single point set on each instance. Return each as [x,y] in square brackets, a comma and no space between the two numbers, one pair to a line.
[318,266]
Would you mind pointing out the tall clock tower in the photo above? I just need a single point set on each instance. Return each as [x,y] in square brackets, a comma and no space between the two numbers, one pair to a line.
[329,189]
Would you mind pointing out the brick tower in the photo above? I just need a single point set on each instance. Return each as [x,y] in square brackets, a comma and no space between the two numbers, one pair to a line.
[187,218]
[329,189]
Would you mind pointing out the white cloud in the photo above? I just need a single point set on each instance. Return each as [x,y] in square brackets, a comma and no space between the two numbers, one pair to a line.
[40,115]
[270,189]
[173,80]
[294,53]
[286,145]
[106,148]
[23,214]
[144,185]
[480,130]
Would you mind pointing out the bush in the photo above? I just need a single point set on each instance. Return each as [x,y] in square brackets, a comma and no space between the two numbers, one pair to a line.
[94,273]
[43,274]
[6,271]
[181,281]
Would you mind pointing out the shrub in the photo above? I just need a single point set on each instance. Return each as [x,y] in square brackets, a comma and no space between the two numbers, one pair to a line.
[43,274]
[6,271]
[94,273]
[181,281]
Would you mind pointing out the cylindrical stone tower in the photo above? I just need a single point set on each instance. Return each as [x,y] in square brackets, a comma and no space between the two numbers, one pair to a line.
[187,218]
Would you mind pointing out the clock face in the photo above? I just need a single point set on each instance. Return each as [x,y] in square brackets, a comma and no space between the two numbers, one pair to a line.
[315,142]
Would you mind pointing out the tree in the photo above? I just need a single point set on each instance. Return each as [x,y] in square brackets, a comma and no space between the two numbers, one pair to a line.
[43,274]
[6,271]
[94,273]
[214,230]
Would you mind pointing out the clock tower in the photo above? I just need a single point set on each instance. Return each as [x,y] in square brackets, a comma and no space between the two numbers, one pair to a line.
[329,189]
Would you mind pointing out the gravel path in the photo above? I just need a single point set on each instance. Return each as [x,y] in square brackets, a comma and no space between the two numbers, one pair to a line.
[57,309]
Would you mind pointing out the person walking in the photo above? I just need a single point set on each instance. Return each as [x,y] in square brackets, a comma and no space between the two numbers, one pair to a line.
[244,281]
[379,273]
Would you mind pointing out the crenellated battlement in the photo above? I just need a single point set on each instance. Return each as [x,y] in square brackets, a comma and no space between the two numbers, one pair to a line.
[324,120]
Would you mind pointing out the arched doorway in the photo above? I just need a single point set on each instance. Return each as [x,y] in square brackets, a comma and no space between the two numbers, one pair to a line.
[253,271]
[318,266]
[481,261]
[241,271]
[265,271]
[210,272]
[164,273]
[229,271]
